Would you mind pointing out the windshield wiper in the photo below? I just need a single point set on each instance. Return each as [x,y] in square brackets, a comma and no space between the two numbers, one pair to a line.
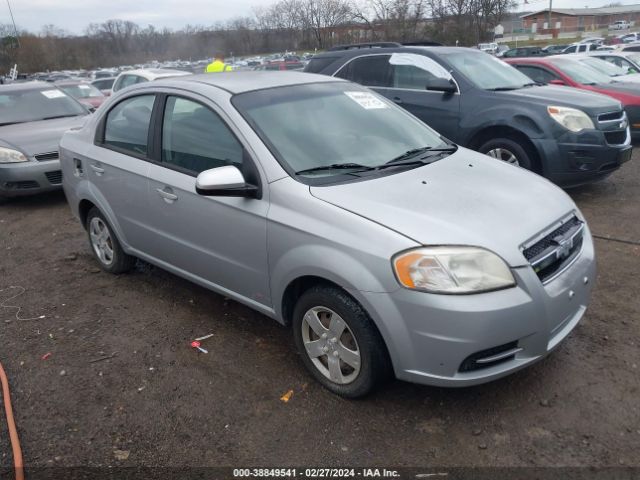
[9,123]
[60,116]
[430,152]
[408,154]
[335,166]
[505,89]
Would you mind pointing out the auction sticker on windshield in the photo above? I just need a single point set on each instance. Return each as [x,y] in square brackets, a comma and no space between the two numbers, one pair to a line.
[366,100]
[52,93]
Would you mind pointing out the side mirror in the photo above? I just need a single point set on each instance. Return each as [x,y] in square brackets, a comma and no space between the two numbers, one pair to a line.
[557,82]
[225,181]
[439,84]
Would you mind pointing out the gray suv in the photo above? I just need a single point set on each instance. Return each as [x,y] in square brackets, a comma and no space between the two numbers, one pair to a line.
[569,136]
[388,249]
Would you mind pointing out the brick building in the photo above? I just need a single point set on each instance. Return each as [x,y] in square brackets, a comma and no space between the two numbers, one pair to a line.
[580,19]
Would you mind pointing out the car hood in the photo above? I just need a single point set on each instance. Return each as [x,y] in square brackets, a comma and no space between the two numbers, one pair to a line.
[33,138]
[464,199]
[628,88]
[590,102]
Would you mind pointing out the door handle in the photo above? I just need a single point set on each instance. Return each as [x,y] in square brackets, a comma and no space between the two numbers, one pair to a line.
[398,100]
[167,196]
[99,170]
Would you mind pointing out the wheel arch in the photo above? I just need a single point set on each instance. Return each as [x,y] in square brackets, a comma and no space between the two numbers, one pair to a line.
[485,134]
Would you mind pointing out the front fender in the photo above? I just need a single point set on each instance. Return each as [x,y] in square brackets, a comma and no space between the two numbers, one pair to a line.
[325,262]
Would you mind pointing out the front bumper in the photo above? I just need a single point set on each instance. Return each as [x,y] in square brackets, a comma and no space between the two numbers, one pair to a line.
[431,336]
[578,158]
[28,178]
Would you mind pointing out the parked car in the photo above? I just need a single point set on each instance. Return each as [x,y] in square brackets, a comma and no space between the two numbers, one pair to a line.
[593,40]
[482,103]
[491,48]
[554,49]
[281,66]
[620,25]
[581,48]
[82,91]
[133,77]
[629,37]
[374,264]
[524,52]
[627,60]
[33,117]
[98,74]
[105,85]
[562,70]
[616,73]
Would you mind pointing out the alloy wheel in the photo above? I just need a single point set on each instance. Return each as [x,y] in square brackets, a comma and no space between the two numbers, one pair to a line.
[331,345]
[101,240]
[504,155]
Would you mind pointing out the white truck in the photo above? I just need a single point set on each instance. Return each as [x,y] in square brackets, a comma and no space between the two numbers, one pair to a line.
[620,25]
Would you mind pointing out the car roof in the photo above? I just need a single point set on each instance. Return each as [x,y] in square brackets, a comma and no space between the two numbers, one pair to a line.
[242,81]
[33,85]
[153,73]
[357,52]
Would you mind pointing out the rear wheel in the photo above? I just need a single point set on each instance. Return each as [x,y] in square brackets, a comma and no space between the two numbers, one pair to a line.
[338,342]
[508,151]
[105,246]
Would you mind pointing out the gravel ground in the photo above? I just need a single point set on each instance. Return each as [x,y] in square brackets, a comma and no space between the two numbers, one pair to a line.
[158,402]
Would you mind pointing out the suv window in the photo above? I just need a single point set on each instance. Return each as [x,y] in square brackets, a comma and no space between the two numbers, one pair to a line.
[537,74]
[316,65]
[412,71]
[195,139]
[371,71]
[127,124]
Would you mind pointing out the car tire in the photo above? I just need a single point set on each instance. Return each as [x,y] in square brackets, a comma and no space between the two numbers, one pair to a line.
[508,151]
[105,246]
[333,333]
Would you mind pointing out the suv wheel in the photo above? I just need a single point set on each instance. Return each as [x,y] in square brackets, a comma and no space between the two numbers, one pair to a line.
[105,246]
[338,342]
[508,151]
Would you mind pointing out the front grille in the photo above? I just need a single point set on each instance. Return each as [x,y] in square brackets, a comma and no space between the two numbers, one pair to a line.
[43,157]
[556,250]
[477,361]
[55,177]
[616,138]
[611,117]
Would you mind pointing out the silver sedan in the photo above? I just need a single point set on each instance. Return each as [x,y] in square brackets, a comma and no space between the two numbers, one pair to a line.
[386,248]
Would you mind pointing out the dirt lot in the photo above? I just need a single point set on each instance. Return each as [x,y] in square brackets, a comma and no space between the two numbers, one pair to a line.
[164,404]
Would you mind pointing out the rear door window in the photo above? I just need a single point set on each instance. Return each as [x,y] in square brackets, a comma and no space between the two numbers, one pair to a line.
[127,125]
[371,71]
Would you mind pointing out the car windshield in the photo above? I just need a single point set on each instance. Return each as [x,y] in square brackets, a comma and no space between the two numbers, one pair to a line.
[31,105]
[580,72]
[327,125]
[82,90]
[487,72]
[604,67]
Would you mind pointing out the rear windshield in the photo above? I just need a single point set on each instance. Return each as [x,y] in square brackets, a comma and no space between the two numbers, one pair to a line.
[316,65]
[37,104]
[82,91]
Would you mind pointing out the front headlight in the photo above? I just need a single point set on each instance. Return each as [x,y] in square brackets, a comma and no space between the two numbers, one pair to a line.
[452,270]
[571,118]
[8,155]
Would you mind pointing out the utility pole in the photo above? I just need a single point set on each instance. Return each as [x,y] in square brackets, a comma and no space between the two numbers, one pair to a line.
[549,19]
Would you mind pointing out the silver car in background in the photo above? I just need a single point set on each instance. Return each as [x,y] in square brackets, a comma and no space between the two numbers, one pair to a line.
[315,201]
[33,117]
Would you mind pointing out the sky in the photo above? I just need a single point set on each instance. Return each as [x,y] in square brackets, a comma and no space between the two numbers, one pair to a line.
[74,15]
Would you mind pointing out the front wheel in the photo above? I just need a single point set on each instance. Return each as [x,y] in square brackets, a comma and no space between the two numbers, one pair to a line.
[508,151]
[338,342]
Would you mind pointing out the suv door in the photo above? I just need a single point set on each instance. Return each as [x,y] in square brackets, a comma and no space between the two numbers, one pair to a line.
[117,164]
[221,241]
[403,78]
